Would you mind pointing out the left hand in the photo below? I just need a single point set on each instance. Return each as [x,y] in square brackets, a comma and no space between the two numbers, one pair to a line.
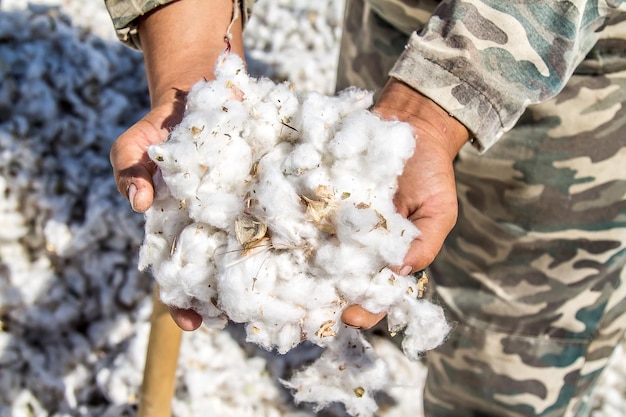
[426,192]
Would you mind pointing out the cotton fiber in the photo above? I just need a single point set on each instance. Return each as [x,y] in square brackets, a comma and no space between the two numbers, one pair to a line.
[274,209]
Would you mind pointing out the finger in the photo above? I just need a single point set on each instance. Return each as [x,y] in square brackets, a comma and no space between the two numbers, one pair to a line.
[427,245]
[135,183]
[357,316]
[132,167]
[187,320]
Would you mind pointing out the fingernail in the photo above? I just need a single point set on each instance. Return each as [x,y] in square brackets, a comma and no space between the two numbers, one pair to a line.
[132,191]
[406,270]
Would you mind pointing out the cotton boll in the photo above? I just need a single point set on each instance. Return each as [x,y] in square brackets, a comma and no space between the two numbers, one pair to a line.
[239,296]
[334,259]
[423,323]
[288,106]
[284,330]
[230,66]
[58,236]
[363,141]
[352,139]
[291,266]
[186,183]
[322,294]
[167,217]
[318,120]
[197,281]
[260,334]
[360,225]
[257,91]
[352,99]
[277,336]
[207,95]
[267,128]
[305,290]
[228,160]
[401,233]
[348,372]
[198,127]
[289,336]
[172,292]
[238,271]
[322,325]
[164,221]
[278,203]
[390,234]
[230,70]
[216,208]
[152,251]
[386,160]
[277,311]
[385,290]
[175,159]
[261,267]
[307,181]
[212,316]
[302,158]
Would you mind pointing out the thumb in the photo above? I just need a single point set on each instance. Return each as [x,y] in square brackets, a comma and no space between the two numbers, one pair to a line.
[434,228]
[132,168]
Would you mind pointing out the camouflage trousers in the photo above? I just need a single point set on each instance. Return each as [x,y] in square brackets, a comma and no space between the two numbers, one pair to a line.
[533,275]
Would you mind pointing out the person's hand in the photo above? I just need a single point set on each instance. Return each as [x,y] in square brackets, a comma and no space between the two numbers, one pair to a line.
[132,168]
[426,190]
[181,42]
[133,171]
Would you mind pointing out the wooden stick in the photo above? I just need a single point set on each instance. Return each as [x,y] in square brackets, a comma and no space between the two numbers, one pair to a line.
[159,375]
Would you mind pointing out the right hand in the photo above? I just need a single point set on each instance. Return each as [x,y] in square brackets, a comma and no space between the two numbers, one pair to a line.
[132,167]
[181,41]
[133,171]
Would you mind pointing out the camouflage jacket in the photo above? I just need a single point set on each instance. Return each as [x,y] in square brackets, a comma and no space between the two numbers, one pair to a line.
[484,61]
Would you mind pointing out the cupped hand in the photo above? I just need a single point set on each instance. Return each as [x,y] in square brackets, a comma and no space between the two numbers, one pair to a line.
[132,167]
[181,41]
[426,192]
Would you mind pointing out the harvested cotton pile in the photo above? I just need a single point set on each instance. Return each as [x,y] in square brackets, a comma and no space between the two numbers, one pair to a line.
[296,41]
[610,395]
[69,296]
[274,209]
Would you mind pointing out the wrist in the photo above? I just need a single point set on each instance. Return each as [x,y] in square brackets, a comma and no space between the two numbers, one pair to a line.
[400,101]
[181,42]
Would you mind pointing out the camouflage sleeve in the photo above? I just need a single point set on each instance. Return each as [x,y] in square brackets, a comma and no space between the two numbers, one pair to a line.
[124,15]
[485,61]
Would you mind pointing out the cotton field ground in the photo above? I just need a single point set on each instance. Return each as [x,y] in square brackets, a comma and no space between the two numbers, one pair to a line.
[74,308]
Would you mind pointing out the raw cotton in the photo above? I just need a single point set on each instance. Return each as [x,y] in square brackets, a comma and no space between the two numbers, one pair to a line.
[274,209]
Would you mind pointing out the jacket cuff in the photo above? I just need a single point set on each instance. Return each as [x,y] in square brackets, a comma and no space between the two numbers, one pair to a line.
[459,98]
[125,15]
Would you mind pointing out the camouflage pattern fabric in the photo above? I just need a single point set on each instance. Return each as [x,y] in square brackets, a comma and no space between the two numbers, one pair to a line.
[533,275]
[534,270]
[124,15]
[489,59]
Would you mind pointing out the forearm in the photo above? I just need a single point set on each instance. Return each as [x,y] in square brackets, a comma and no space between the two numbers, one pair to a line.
[181,42]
